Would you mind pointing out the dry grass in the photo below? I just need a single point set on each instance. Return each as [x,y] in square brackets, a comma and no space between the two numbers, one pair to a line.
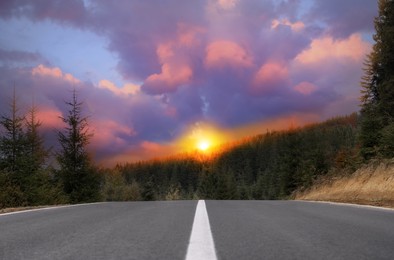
[372,184]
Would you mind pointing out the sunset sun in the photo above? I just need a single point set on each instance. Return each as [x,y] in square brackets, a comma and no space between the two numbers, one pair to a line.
[203,145]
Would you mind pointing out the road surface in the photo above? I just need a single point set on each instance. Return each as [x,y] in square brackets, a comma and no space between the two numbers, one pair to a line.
[163,230]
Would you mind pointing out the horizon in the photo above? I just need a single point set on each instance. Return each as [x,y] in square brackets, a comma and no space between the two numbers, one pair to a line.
[158,80]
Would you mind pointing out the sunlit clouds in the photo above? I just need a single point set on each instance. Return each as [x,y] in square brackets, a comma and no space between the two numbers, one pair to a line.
[325,48]
[226,53]
[55,72]
[175,76]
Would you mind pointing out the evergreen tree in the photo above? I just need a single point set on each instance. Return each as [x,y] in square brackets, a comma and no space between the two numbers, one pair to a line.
[12,145]
[12,158]
[35,149]
[378,87]
[148,191]
[80,179]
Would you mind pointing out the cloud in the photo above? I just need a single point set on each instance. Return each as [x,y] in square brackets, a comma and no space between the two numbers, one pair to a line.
[221,54]
[109,133]
[55,72]
[189,35]
[127,89]
[305,88]
[19,56]
[231,62]
[49,117]
[72,11]
[169,79]
[296,26]
[343,18]
[270,76]
[325,48]
[227,4]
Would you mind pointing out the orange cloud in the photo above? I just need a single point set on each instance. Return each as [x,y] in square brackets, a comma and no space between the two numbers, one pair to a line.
[127,89]
[269,76]
[223,53]
[42,70]
[327,48]
[297,26]
[305,88]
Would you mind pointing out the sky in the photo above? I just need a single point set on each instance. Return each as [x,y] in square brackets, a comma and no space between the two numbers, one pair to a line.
[157,76]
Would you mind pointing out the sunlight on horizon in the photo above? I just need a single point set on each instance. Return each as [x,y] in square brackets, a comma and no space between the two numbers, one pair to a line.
[203,137]
[203,145]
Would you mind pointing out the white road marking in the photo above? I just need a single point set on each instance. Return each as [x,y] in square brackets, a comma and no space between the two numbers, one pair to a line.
[201,244]
[48,208]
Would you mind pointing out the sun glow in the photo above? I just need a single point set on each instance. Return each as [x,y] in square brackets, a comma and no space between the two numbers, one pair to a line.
[202,137]
[203,145]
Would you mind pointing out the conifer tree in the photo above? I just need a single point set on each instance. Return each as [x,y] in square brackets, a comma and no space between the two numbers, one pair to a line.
[12,145]
[80,179]
[378,88]
[12,157]
[35,149]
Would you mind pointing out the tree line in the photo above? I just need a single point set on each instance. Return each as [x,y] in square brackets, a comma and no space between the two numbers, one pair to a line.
[27,178]
[268,166]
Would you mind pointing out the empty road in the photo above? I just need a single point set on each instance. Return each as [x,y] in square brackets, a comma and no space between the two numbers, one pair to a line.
[163,229]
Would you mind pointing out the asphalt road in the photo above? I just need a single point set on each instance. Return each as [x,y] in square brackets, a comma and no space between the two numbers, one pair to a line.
[300,230]
[119,230]
[161,230]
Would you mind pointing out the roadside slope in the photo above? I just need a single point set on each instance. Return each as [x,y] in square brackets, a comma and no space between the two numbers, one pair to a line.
[372,184]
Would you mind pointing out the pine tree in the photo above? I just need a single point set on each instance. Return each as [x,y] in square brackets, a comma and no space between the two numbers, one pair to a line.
[12,145]
[80,179]
[12,158]
[35,149]
[378,88]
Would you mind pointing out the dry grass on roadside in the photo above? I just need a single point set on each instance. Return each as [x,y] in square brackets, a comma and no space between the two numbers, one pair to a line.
[372,184]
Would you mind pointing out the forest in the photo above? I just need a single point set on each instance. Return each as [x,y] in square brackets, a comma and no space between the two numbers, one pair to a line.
[269,166]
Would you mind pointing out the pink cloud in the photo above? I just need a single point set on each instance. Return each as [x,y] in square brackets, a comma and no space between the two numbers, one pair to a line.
[42,70]
[107,133]
[227,4]
[178,43]
[270,76]
[321,49]
[49,117]
[127,89]
[188,35]
[169,79]
[305,88]
[164,52]
[225,53]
